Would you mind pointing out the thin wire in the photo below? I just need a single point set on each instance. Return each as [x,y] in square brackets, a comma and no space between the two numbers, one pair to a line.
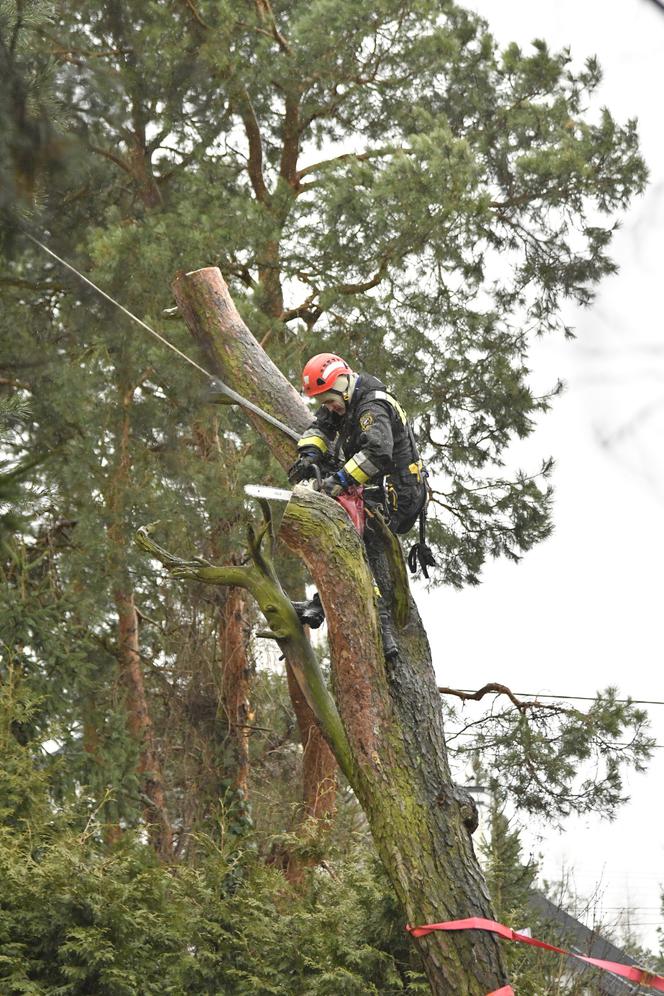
[617,909]
[120,306]
[583,698]
[452,734]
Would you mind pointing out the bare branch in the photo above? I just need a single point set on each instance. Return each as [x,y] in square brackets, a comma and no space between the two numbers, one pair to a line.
[498,689]
[30,284]
[358,157]
[366,285]
[196,16]
[107,154]
[301,310]
[255,162]
[10,382]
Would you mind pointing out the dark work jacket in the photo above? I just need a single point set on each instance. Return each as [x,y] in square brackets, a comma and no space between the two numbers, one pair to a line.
[373,440]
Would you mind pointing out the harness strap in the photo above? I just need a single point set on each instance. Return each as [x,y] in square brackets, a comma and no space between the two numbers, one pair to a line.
[384,396]
[420,554]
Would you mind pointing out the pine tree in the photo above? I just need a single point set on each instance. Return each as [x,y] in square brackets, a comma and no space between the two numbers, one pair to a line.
[346,249]
[510,879]
[356,175]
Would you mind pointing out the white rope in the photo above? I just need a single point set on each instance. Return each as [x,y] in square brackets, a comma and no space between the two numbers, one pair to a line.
[120,306]
[223,388]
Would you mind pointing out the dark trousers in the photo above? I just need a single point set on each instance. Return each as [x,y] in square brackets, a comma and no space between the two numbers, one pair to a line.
[406,496]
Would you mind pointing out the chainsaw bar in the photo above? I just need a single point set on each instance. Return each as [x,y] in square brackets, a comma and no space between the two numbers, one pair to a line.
[261,491]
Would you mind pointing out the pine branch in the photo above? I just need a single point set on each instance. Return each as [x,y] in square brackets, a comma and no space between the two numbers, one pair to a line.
[195,14]
[265,13]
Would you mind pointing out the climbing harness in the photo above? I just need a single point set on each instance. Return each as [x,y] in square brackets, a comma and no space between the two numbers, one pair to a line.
[419,553]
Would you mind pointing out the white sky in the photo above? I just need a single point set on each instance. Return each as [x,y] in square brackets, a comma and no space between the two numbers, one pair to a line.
[582,610]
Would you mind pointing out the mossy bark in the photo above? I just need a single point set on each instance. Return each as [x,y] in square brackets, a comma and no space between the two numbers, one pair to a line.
[385,721]
[234,355]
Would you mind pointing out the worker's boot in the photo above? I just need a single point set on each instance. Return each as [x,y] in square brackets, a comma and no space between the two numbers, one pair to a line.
[311,612]
[390,648]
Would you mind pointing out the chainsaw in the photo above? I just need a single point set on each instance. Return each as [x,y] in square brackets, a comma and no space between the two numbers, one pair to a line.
[351,500]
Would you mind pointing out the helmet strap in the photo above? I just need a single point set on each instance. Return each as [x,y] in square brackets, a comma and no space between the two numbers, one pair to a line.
[344,394]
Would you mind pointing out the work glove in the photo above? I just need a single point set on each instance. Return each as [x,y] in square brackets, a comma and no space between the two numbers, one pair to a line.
[334,484]
[303,468]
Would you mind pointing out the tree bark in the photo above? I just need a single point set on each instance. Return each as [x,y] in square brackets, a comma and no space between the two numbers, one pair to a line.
[140,724]
[386,728]
[139,721]
[236,683]
[234,355]
[319,767]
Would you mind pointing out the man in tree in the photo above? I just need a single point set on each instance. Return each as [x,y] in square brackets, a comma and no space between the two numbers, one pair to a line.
[360,423]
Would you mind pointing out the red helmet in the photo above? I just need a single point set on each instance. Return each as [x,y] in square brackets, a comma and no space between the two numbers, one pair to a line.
[320,373]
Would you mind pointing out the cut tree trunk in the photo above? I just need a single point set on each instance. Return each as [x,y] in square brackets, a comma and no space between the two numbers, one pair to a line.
[390,742]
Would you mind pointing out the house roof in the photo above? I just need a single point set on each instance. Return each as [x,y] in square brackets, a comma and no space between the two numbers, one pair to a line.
[584,941]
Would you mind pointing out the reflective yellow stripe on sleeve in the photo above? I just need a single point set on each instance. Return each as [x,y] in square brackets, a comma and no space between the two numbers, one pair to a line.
[353,470]
[317,441]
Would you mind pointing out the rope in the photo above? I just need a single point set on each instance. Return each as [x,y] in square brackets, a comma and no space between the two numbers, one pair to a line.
[217,385]
[117,304]
[420,554]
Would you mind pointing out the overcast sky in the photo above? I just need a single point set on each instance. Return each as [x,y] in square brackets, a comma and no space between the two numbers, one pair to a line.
[583,610]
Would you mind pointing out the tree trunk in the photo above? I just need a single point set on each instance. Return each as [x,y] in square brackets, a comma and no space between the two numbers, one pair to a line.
[319,784]
[390,743]
[236,683]
[319,767]
[140,724]
[129,658]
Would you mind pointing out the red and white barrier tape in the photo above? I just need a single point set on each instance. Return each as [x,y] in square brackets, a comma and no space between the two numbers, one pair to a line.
[630,972]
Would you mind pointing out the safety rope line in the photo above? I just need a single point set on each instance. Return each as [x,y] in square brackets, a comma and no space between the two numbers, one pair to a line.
[633,973]
[108,297]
